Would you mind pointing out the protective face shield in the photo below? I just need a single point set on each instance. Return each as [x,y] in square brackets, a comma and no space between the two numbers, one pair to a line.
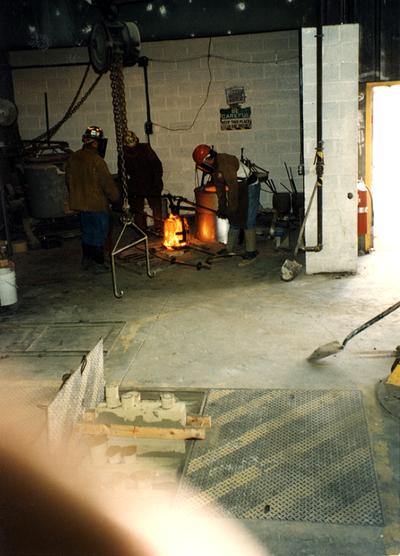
[204,155]
[130,139]
[95,133]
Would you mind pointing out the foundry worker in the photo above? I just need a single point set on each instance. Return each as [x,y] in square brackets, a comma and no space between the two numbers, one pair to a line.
[238,192]
[91,190]
[144,180]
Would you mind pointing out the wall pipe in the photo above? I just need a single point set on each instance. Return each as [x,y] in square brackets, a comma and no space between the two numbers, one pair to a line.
[148,126]
[319,155]
[8,135]
[46,108]
[61,65]
[9,248]
[300,169]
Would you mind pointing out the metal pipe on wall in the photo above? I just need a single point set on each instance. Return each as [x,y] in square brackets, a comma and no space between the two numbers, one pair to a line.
[60,65]
[300,169]
[319,155]
[148,126]
[7,138]
[320,143]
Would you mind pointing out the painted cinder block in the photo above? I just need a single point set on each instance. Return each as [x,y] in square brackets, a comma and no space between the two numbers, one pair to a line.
[340,101]
[177,90]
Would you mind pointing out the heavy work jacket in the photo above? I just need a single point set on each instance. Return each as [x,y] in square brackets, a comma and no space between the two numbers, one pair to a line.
[90,184]
[232,194]
[144,170]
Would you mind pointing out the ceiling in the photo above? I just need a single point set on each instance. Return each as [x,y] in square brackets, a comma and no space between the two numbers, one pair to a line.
[31,24]
[44,24]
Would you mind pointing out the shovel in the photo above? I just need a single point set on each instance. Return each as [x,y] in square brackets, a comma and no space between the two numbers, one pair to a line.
[334,347]
[291,268]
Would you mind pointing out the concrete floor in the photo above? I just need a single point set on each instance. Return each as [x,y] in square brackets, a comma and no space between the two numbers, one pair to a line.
[230,327]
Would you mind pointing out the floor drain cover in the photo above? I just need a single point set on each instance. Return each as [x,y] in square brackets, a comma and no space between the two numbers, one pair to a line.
[286,455]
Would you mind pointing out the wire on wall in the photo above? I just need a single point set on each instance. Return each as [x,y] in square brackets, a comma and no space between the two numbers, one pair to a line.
[275,61]
[187,128]
[73,107]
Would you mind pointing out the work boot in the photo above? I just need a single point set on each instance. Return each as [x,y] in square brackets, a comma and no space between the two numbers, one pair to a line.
[224,252]
[248,258]
[251,251]
[87,260]
[99,266]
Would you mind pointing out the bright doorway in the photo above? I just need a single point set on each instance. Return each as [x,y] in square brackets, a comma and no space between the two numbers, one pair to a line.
[385,163]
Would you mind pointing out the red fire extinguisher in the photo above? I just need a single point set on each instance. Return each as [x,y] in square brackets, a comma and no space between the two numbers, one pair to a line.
[362,221]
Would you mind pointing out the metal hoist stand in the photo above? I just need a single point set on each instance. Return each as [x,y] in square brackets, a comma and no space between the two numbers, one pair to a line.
[120,120]
[116,250]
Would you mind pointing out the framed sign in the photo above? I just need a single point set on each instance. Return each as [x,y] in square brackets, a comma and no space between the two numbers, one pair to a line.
[235,116]
[235,96]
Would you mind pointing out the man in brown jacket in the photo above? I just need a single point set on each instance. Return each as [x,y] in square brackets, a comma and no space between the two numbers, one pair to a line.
[144,172]
[91,189]
[238,192]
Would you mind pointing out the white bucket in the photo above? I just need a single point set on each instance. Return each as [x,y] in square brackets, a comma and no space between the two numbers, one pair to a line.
[222,230]
[8,288]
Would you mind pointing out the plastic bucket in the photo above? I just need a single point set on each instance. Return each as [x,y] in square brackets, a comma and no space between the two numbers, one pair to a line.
[222,230]
[8,287]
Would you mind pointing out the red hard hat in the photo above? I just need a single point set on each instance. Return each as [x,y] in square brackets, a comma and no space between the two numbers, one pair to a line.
[200,153]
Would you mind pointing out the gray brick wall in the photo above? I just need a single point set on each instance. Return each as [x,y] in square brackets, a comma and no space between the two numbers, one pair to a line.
[177,89]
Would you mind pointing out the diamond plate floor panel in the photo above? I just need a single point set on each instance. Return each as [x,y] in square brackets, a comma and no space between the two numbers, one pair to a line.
[57,338]
[286,455]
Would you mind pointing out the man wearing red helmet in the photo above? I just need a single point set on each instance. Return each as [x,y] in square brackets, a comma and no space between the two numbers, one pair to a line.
[238,192]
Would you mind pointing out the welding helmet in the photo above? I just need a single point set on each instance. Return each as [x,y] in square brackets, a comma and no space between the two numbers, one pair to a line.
[203,155]
[95,133]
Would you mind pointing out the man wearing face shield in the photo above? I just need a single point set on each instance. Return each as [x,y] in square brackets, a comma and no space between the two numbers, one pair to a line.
[238,192]
[91,190]
[144,180]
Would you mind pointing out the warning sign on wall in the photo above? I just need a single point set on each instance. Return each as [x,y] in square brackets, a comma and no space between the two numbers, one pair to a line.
[235,118]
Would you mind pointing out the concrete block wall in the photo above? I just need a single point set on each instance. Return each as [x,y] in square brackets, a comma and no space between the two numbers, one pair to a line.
[266,65]
[340,113]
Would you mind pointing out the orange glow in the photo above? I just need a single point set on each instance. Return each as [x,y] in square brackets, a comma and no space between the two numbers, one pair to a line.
[206,227]
[176,229]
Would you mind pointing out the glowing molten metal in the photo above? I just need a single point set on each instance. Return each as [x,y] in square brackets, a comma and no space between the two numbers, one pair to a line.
[175,231]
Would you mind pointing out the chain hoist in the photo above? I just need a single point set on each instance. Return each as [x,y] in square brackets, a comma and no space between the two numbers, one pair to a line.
[73,107]
[113,45]
[121,125]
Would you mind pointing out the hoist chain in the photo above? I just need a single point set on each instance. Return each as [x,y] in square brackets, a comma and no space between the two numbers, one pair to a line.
[121,126]
[72,107]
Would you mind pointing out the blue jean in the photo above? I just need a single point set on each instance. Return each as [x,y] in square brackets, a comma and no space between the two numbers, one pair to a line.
[253,201]
[94,228]
[253,197]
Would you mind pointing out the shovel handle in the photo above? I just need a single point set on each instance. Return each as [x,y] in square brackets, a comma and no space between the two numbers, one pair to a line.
[371,322]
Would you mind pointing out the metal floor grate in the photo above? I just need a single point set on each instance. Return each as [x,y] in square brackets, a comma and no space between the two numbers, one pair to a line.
[286,455]
[57,338]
